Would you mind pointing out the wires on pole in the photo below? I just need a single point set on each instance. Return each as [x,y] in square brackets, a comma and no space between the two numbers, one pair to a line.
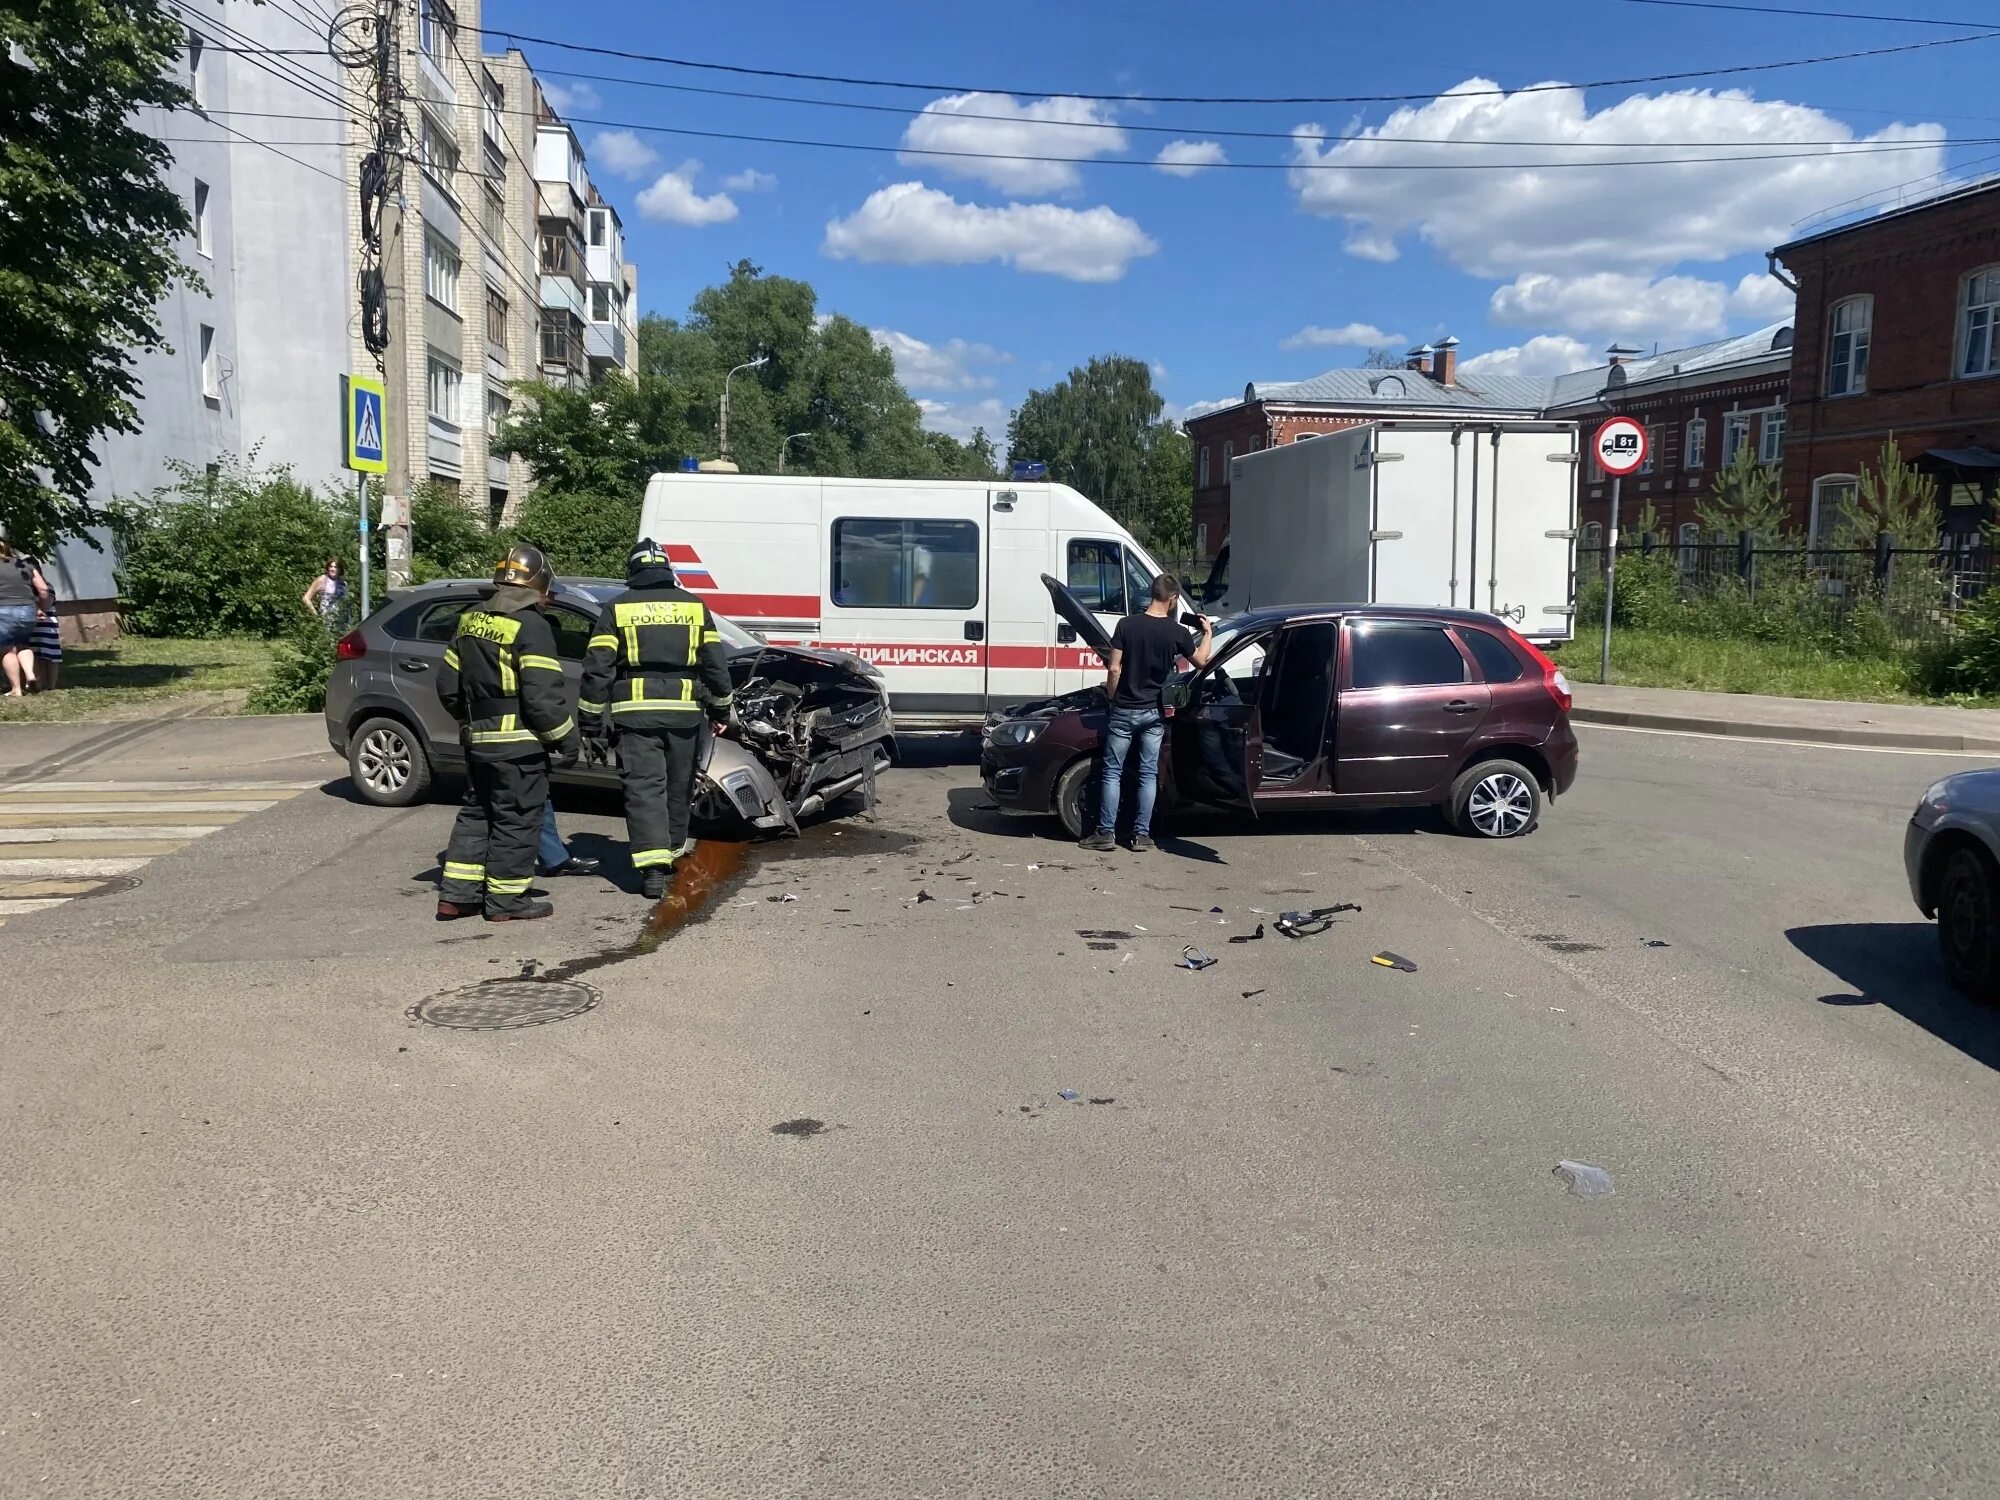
[361,39]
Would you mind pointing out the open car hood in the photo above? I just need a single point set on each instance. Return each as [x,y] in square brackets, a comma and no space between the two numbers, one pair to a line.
[1079,619]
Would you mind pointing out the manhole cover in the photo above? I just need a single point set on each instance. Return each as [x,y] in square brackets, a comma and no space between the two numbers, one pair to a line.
[502,1004]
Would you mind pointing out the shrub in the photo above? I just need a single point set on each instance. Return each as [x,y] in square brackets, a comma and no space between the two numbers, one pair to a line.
[586,535]
[298,673]
[1968,664]
[228,555]
[447,540]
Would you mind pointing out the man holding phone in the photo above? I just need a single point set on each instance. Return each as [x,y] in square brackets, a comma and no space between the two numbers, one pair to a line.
[1144,649]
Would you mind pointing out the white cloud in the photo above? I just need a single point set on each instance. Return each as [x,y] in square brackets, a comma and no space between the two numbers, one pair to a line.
[1346,336]
[1185,158]
[1611,216]
[958,418]
[564,97]
[672,200]
[1180,415]
[940,367]
[1672,309]
[622,153]
[1041,127]
[1761,298]
[750,180]
[909,224]
[1159,369]
[1545,354]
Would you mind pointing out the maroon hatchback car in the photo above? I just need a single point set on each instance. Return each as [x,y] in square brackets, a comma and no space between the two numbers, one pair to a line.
[1318,707]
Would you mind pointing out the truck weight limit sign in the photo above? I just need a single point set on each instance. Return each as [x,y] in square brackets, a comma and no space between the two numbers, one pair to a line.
[1620,446]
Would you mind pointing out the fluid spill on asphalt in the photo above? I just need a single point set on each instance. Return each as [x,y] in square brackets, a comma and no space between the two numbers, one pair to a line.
[799,1129]
[713,868]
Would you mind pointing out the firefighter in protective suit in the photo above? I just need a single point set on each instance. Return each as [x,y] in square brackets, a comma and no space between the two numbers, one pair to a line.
[504,684]
[655,671]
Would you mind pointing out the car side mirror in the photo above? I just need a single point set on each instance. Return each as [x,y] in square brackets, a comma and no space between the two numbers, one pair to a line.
[1175,693]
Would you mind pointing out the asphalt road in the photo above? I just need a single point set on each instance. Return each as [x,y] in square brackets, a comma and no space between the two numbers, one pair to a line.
[267,1235]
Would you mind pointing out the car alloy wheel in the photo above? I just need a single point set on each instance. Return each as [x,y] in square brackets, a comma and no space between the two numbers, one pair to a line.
[1501,805]
[1967,925]
[384,761]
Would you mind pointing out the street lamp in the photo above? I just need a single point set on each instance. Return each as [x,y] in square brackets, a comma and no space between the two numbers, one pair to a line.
[786,444]
[756,364]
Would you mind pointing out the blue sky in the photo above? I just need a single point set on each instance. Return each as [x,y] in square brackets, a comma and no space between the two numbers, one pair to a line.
[990,277]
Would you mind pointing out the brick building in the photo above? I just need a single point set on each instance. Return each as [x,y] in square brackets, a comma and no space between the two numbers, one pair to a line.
[1899,334]
[1698,405]
[1428,386]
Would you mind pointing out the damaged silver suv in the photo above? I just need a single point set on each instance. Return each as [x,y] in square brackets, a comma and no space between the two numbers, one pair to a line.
[814,724]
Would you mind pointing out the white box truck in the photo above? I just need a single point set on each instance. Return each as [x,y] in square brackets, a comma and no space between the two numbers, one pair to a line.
[1466,515]
[935,583]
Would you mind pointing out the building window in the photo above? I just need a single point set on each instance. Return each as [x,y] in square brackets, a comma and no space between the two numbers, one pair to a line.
[493,216]
[1697,443]
[562,254]
[497,407]
[597,226]
[496,318]
[600,304]
[197,75]
[440,272]
[1690,546]
[446,385]
[1201,479]
[1833,497]
[1304,437]
[438,152]
[1228,452]
[1735,432]
[211,372]
[1593,536]
[202,242]
[1847,346]
[1646,466]
[1256,443]
[1771,441]
[903,564]
[1978,315]
[435,26]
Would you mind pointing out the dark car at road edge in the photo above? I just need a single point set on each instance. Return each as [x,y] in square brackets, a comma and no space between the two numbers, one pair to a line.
[1319,708]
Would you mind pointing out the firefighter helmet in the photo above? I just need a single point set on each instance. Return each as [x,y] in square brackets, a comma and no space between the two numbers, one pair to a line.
[524,567]
[646,556]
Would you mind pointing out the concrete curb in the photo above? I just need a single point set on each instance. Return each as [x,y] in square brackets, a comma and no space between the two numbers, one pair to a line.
[1831,734]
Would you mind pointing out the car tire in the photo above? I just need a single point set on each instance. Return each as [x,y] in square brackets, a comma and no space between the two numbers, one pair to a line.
[388,763]
[1968,922]
[1496,799]
[1076,797]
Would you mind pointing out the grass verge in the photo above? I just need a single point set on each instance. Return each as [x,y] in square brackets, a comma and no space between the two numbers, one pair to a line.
[1711,664]
[130,676]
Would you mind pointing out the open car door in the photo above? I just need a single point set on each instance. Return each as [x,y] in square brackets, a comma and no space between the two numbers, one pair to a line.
[1217,732]
[1075,614]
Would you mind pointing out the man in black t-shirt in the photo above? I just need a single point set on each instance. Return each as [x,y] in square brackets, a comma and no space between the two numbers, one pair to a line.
[1143,651]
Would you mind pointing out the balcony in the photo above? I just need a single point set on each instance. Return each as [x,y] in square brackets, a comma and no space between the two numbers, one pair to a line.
[564,356]
[435,93]
[605,342]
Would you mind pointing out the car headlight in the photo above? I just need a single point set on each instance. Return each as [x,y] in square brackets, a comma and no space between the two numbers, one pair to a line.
[1013,732]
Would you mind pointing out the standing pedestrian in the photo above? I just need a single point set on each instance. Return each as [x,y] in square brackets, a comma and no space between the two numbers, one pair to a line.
[24,594]
[1144,648]
[504,684]
[326,595]
[654,669]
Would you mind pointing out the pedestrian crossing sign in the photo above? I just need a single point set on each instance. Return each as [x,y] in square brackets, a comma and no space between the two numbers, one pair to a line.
[361,425]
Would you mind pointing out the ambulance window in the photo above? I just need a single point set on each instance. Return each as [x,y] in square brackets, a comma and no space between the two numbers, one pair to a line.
[1095,576]
[1138,582]
[901,564]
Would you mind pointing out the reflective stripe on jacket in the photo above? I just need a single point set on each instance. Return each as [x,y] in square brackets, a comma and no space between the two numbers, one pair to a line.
[503,681]
[656,661]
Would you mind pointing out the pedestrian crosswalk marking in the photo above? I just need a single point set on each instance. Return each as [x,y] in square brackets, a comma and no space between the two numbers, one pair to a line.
[60,840]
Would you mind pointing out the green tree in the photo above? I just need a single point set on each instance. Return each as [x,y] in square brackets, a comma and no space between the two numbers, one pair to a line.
[1095,430]
[601,439]
[1895,498]
[87,243]
[588,535]
[1746,496]
[1167,522]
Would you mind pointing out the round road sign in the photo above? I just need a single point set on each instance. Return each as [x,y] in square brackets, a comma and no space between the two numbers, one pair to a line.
[1620,446]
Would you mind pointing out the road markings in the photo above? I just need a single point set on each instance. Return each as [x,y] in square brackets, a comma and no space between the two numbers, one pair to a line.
[61,840]
[1748,739]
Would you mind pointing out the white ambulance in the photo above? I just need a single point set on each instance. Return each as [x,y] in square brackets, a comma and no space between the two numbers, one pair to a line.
[936,582]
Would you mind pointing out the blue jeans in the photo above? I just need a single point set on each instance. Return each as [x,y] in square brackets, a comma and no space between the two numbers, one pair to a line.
[551,852]
[1150,727]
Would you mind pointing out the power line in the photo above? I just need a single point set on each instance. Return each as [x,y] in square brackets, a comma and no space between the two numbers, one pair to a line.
[1175,130]
[269,146]
[253,52]
[960,88]
[1841,148]
[1793,10]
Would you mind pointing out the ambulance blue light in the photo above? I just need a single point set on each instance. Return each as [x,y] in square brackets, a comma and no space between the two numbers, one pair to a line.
[1028,469]
[690,466]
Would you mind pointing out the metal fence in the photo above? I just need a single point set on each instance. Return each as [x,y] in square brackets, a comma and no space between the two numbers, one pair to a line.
[1885,595]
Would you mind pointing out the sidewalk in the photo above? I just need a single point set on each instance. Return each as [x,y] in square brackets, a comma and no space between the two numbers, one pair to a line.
[1897,725]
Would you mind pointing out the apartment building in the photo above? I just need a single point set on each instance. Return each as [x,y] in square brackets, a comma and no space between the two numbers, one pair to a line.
[252,355]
